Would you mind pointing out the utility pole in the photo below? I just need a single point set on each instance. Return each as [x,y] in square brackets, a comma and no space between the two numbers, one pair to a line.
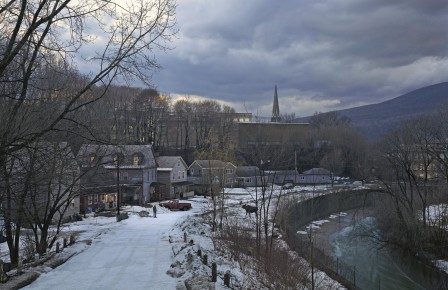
[118,185]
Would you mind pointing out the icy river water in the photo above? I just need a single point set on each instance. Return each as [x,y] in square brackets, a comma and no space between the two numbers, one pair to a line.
[373,267]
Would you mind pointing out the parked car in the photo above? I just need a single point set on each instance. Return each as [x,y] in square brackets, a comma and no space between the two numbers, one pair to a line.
[288,186]
[176,204]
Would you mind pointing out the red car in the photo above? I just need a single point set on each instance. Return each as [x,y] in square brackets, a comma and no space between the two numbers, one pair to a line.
[176,204]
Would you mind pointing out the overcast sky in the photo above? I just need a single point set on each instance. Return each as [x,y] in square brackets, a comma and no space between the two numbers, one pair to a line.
[322,54]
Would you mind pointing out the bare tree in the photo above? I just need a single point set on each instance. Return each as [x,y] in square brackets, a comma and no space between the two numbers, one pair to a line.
[183,110]
[40,41]
[406,166]
[43,182]
[34,35]
[54,187]
[288,118]
[337,146]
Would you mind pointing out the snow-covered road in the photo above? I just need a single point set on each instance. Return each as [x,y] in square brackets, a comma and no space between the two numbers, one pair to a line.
[135,254]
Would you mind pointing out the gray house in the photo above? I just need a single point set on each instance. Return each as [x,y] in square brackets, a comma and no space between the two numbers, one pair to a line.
[249,176]
[283,176]
[316,176]
[109,170]
[205,173]
[312,176]
[45,179]
[172,177]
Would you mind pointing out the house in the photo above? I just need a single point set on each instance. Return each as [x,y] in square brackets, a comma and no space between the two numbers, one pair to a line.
[172,177]
[116,174]
[282,176]
[249,176]
[205,173]
[44,177]
[316,176]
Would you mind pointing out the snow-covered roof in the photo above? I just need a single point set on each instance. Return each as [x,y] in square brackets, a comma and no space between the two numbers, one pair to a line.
[317,171]
[105,154]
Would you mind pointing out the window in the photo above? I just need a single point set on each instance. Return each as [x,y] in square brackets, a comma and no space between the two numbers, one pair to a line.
[192,171]
[124,175]
[137,159]
[248,179]
[90,199]
[229,180]
[183,174]
[229,171]
[302,177]
[118,158]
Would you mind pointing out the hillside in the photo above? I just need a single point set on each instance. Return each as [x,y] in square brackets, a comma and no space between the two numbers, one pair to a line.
[376,119]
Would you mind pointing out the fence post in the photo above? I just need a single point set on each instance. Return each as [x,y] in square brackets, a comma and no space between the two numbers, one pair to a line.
[19,266]
[214,272]
[227,279]
[205,259]
[185,237]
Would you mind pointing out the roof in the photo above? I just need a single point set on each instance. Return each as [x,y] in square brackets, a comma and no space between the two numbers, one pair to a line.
[181,183]
[106,153]
[211,163]
[317,171]
[169,161]
[46,154]
[247,171]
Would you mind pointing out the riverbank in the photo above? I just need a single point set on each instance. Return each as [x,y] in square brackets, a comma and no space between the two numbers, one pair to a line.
[334,236]
[324,228]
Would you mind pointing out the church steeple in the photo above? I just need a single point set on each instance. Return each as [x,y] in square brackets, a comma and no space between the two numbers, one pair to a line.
[275,109]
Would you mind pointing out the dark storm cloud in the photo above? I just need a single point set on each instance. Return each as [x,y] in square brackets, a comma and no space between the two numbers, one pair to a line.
[323,55]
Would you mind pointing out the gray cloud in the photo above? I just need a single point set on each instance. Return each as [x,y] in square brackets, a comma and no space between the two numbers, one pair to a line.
[323,55]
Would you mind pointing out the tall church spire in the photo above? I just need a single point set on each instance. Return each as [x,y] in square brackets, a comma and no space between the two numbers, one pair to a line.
[275,109]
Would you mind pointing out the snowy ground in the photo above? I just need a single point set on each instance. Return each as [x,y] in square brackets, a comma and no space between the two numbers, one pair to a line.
[151,253]
[132,254]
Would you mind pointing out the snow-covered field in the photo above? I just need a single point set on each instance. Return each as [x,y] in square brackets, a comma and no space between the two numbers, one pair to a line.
[152,253]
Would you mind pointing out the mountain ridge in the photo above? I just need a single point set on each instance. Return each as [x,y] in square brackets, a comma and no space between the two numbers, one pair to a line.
[375,120]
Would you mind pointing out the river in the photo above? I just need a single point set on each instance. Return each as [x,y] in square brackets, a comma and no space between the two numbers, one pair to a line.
[356,250]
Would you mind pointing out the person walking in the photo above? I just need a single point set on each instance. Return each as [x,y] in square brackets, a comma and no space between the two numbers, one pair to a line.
[154,211]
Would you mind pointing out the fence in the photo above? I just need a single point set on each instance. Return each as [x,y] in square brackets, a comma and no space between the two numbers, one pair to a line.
[305,212]
[338,270]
